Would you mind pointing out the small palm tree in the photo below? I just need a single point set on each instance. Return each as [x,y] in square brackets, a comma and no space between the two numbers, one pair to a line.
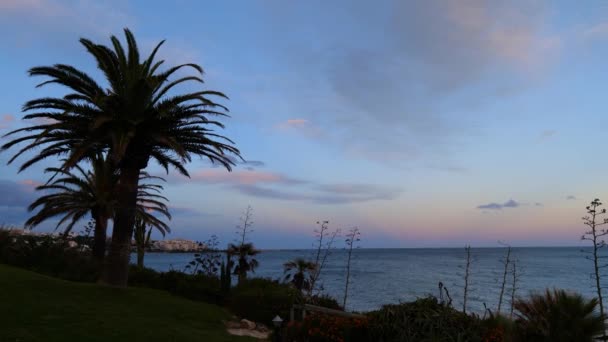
[298,272]
[141,235]
[74,195]
[558,316]
[245,259]
[135,117]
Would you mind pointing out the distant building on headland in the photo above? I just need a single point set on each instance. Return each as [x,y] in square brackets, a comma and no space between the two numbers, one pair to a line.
[176,245]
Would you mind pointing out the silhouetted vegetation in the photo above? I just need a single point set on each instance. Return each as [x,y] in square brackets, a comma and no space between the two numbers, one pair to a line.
[298,272]
[558,316]
[322,247]
[595,236]
[352,237]
[134,120]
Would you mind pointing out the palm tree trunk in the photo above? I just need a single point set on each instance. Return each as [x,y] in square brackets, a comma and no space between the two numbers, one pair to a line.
[99,240]
[116,268]
[140,255]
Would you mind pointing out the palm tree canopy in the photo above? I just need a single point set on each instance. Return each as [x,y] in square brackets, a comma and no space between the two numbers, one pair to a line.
[299,265]
[136,118]
[296,272]
[72,195]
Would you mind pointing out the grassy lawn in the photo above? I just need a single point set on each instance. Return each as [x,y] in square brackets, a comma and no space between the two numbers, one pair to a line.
[34,307]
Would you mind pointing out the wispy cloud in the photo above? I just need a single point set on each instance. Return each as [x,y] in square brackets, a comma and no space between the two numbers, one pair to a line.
[498,206]
[597,31]
[570,198]
[265,184]
[390,91]
[547,134]
[247,177]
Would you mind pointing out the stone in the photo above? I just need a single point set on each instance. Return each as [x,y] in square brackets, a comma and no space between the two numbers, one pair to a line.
[250,333]
[247,324]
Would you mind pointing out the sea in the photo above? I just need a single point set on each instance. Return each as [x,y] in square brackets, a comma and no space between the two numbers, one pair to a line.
[390,276]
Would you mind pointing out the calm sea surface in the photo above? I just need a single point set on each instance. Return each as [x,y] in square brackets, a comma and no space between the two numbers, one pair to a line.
[383,276]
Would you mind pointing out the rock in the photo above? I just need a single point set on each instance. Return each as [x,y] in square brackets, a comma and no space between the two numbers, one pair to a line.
[233,325]
[250,333]
[262,328]
[247,324]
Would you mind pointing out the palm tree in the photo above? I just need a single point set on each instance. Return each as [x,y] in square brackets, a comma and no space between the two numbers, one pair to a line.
[141,234]
[298,272]
[133,118]
[74,195]
[245,261]
[558,316]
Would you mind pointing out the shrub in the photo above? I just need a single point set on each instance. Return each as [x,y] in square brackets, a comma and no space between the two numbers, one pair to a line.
[424,320]
[324,328]
[558,316]
[197,287]
[48,255]
[260,299]
[325,301]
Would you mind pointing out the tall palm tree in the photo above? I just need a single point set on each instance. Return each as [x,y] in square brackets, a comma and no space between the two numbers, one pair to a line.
[557,316]
[245,262]
[74,195]
[136,117]
[298,272]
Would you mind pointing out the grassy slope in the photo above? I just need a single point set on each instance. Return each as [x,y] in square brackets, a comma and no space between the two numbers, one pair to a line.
[34,307]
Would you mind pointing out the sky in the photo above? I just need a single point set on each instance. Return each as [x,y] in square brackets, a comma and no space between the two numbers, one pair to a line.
[422,123]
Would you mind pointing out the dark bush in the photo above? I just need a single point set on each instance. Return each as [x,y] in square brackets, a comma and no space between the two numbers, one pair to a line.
[196,287]
[424,320]
[325,301]
[260,299]
[324,328]
[557,315]
[47,255]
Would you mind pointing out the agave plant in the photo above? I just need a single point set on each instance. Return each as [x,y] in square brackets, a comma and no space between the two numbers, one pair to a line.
[135,117]
[557,315]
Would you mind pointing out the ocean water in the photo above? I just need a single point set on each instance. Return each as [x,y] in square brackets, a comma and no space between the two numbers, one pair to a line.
[384,276]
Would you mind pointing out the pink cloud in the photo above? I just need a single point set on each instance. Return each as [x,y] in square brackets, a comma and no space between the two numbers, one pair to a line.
[6,120]
[30,184]
[302,126]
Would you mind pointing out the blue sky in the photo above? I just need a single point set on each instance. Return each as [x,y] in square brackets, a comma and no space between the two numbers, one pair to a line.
[434,123]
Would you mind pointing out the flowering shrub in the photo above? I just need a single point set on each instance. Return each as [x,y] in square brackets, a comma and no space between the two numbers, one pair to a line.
[325,328]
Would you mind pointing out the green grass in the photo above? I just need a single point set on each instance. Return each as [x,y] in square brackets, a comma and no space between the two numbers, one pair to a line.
[34,307]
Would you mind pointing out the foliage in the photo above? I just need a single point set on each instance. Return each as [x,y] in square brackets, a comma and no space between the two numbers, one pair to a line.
[325,301]
[135,118]
[226,274]
[192,286]
[322,247]
[245,261]
[425,319]
[595,219]
[298,272]
[352,237]
[324,328]
[50,255]
[208,261]
[558,316]
[260,299]
[39,308]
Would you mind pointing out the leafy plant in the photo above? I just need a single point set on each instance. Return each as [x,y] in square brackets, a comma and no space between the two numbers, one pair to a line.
[298,272]
[558,316]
